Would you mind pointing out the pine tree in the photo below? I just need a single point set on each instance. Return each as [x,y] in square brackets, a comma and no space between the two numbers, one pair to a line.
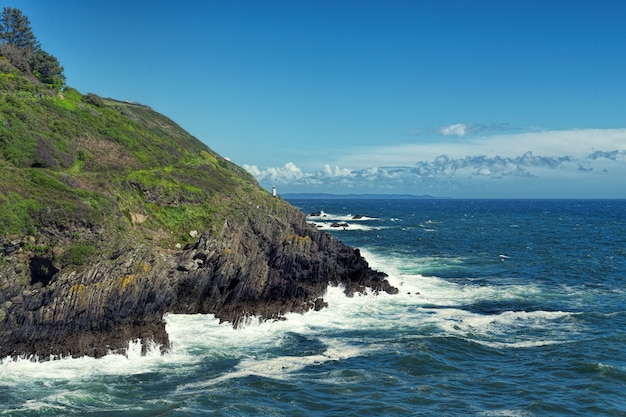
[16,31]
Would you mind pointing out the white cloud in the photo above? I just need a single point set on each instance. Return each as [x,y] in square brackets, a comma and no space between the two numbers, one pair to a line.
[458,129]
[336,171]
[255,171]
[281,175]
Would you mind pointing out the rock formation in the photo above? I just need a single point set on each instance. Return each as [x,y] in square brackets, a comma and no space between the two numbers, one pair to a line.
[261,268]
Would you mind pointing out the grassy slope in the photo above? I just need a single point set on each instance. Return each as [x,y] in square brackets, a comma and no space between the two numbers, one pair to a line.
[76,178]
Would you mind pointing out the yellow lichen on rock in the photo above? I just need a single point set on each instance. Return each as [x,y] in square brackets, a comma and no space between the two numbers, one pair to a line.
[128,281]
[291,238]
[77,290]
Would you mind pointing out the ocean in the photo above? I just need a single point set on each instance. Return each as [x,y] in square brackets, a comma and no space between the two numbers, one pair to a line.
[506,308]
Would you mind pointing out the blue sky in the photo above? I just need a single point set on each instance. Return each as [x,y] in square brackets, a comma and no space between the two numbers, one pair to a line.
[485,99]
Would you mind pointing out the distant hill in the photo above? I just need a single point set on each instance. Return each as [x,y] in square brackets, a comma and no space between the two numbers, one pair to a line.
[327,196]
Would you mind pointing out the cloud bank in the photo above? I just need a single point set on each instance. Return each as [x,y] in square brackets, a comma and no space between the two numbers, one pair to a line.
[489,165]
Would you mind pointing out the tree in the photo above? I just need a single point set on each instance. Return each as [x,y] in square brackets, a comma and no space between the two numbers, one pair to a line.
[20,46]
[17,41]
[47,68]
[18,58]
[16,31]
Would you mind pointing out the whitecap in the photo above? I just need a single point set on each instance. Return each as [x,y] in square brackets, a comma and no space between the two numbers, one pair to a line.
[19,370]
[332,226]
[341,217]
[432,301]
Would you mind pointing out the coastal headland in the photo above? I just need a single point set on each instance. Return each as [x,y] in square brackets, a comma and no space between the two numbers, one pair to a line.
[112,215]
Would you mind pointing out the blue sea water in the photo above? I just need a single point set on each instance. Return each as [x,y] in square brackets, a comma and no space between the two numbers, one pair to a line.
[506,308]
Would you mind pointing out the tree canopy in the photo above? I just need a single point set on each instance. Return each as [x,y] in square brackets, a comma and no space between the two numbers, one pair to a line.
[19,46]
[16,30]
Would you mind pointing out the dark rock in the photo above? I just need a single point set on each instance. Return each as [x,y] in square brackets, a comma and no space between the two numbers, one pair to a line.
[262,266]
[7,248]
[116,254]
[42,270]
[319,304]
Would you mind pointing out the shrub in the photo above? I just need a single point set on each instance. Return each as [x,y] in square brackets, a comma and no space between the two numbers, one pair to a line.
[93,99]
[78,253]
[5,66]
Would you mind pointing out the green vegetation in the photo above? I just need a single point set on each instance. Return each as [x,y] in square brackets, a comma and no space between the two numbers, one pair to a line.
[17,213]
[66,158]
[78,253]
[81,175]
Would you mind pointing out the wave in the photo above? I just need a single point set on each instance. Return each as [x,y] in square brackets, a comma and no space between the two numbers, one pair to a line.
[323,216]
[613,371]
[459,309]
[343,226]
[336,222]
[16,370]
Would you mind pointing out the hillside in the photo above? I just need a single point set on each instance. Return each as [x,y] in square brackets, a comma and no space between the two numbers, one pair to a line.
[112,215]
[67,161]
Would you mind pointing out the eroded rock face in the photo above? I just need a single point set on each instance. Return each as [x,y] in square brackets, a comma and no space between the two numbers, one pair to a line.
[262,267]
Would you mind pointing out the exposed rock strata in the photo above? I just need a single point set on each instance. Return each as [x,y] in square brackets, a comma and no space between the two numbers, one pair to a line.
[263,266]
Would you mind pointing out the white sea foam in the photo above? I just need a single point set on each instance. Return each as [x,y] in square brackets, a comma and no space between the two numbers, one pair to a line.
[19,370]
[280,367]
[256,344]
[42,406]
[341,217]
[432,301]
[333,222]
[506,413]
[501,327]
[436,291]
[328,226]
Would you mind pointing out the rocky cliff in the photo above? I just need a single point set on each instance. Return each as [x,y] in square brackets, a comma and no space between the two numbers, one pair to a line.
[260,268]
[111,216]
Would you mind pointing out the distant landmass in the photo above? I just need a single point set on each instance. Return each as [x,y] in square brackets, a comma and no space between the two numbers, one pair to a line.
[328,196]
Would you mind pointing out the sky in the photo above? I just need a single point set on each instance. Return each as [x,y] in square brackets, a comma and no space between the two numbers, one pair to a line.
[461,99]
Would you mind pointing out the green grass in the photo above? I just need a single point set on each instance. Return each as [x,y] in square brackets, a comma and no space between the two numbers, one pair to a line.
[67,162]
[78,253]
[17,214]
